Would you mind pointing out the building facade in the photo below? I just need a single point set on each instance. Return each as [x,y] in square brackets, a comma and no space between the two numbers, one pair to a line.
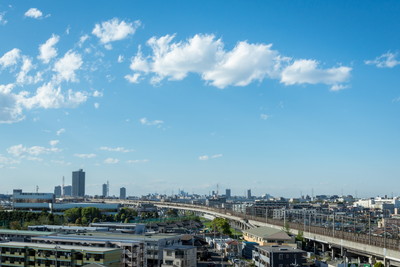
[278,256]
[122,193]
[78,183]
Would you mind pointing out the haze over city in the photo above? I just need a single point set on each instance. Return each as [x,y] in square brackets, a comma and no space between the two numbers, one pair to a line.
[280,97]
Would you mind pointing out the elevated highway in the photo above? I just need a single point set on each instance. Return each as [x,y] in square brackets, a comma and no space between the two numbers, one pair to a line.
[340,242]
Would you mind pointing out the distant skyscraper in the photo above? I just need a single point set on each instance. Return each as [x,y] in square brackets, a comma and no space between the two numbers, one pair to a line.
[104,190]
[78,183]
[68,190]
[227,193]
[57,191]
[248,193]
[122,193]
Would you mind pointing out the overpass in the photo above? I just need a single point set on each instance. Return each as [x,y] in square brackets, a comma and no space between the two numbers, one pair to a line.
[374,247]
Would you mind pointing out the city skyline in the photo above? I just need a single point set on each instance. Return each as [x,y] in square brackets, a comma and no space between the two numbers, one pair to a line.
[279,97]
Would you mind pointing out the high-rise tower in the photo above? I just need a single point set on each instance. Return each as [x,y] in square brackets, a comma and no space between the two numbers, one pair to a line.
[78,183]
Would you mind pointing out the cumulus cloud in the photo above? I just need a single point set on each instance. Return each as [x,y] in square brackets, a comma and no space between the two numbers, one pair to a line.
[85,156]
[47,50]
[96,105]
[116,149]
[10,58]
[23,77]
[114,30]
[82,40]
[247,62]
[21,151]
[387,60]
[50,95]
[307,71]
[111,161]
[67,65]
[10,109]
[147,122]
[120,59]
[33,13]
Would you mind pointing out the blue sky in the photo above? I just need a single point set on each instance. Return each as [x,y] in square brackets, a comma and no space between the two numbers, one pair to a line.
[280,97]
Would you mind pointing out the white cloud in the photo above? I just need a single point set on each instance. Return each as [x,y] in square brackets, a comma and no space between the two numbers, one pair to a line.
[264,116]
[97,94]
[60,132]
[116,149]
[10,109]
[206,157]
[85,156]
[51,96]
[114,30]
[245,63]
[145,121]
[3,20]
[33,13]
[307,71]
[136,161]
[21,151]
[338,87]
[54,142]
[10,58]
[82,40]
[67,65]
[120,59]
[387,60]
[7,161]
[96,105]
[47,50]
[23,77]
[111,161]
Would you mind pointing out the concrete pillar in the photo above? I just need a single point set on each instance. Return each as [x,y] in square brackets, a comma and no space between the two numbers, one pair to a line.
[333,253]
[386,262]
[372,260]
[323,247]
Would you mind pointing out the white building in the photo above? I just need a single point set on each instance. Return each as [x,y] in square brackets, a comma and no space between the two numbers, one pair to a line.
[183,256]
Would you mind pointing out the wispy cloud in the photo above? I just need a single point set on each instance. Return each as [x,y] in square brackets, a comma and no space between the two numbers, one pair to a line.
[21,151]
[265,116]
[136,161]
[387,60]
[85,156]
[60,131]
[3,20]
[147,122]
[116,149]
[206,157]
[111,161]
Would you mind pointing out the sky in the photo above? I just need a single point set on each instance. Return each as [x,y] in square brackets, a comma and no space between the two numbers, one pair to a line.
[281,97]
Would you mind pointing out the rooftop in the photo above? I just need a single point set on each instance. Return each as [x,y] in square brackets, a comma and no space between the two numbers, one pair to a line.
[268,233]
[56,247]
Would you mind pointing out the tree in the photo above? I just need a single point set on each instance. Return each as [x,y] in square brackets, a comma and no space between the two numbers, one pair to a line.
[379,264]
[73,214]
[286,228]
[90,213]
[15,225]
[172,213]
[221,225]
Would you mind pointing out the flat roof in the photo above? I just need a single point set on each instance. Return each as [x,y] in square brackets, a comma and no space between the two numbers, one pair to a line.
[281,249]
[153,237]
[85,238]
[58,247]
[23,232]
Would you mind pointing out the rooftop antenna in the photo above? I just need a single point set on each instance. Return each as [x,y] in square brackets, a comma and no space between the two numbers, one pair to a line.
[37,189]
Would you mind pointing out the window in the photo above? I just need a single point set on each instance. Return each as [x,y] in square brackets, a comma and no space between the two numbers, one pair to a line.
[280,257]
[280,265]
[287,256]
[169,253]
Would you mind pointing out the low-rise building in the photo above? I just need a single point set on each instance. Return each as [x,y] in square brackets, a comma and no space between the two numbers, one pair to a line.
[32,254]
[183,256]
[267,236]
[278,256]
